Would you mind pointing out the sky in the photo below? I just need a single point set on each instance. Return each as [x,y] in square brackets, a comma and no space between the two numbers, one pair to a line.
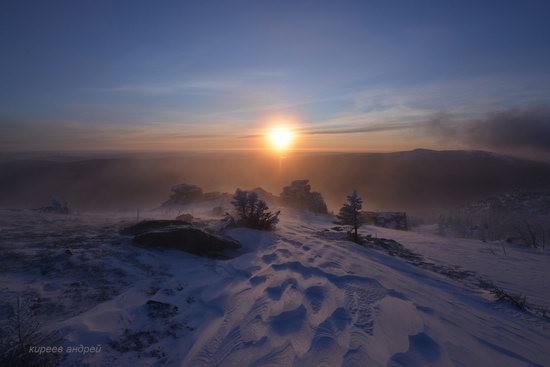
[214,75]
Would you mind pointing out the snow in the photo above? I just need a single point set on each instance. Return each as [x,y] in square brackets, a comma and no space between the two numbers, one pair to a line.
[516,269]
[295,296]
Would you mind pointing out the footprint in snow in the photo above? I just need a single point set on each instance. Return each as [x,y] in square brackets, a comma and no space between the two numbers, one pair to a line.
[268,259]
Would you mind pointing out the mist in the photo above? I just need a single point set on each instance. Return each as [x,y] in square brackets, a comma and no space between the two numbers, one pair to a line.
[422,181]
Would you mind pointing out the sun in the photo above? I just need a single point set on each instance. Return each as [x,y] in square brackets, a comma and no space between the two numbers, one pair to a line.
[281,138]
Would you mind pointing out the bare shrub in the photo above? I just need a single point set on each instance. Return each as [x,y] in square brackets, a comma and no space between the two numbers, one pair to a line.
[531,233]
[22,332]
[520,228]
[519,301]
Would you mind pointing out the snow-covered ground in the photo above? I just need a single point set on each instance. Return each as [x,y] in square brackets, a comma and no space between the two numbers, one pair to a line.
[296,296]
[517,269]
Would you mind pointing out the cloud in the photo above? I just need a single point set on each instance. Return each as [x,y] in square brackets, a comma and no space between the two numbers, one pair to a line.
[523,132]
[242,83]
[504,131]
[371,128]
[75,135]
[365,129]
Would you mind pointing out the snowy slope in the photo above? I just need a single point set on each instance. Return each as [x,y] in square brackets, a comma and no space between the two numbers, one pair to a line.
[517,269]
[296,296]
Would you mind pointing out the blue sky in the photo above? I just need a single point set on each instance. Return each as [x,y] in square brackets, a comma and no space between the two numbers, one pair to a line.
[182,75]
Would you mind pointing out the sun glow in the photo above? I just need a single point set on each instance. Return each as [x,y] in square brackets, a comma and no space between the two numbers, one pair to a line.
[281,138]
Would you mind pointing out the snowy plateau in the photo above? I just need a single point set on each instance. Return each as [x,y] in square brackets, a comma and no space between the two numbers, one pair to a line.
[300,295]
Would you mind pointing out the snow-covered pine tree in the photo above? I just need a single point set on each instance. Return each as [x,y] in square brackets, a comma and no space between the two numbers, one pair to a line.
[251,211]
[240,202]
[350,213]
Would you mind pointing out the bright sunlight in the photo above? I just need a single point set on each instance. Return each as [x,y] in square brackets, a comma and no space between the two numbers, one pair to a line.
[281,138]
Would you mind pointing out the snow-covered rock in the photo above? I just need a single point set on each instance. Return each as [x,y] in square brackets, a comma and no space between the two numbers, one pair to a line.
[151,225]
[189,239]
[299,195]
[180,235]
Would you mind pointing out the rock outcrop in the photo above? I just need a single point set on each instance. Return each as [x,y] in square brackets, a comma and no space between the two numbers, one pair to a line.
[57,206]
[299,195]
[395,220]
[183,194]
[179,235]
[151,225]
[266,195]
[189,239]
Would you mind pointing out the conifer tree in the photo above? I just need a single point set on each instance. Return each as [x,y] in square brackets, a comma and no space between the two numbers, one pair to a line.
[252,212]
[350,213]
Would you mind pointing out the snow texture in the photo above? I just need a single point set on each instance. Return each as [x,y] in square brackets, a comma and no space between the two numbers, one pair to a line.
[296,296]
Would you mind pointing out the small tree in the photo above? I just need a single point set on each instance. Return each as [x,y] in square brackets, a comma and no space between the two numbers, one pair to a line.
[252,212]
[20,332]
[350,214]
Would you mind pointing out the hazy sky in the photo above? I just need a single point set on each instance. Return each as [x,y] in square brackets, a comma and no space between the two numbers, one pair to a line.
[350,75]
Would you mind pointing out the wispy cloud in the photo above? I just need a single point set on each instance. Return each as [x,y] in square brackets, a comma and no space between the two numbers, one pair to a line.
[254,82]
[356,130]
[234,107]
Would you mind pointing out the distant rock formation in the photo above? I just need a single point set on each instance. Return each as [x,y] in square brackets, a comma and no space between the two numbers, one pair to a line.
[57,206]
[395,220]
[299,195]
[183,194]
[265,195]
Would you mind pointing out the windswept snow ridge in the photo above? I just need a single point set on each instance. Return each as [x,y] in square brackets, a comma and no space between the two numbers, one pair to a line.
[295,297]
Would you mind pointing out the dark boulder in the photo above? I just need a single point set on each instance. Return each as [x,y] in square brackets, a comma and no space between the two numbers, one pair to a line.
[151,225]
[189,239]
